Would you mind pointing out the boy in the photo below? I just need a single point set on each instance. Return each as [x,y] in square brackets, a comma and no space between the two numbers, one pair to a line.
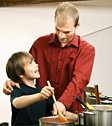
[28,101]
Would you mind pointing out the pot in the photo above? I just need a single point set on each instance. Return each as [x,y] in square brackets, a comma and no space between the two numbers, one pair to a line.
[100,116]
[54,121]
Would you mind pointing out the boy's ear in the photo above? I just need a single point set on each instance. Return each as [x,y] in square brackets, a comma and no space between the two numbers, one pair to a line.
[21,76]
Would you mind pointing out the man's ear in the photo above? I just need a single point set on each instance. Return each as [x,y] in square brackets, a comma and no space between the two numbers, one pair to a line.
[78,25]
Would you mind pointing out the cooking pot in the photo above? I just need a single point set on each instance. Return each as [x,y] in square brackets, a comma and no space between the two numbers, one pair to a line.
[54,121]
[100,116]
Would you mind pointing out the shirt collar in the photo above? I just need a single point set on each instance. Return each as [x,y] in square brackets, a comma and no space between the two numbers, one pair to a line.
[74,41]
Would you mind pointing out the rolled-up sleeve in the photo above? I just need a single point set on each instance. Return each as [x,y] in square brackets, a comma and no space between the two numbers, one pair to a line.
[80,77]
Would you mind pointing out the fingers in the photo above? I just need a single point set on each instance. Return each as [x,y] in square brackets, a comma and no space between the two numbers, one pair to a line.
[8,87]
[47,91]
[6,91]
[71,115]
[61,107]
[55,112]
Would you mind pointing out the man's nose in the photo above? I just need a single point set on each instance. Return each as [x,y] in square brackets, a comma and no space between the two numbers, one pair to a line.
[62,35]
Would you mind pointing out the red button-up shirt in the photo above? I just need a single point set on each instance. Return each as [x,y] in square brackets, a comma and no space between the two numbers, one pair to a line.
[67,68]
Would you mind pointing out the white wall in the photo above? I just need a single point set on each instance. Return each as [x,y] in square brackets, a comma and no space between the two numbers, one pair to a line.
[20,26]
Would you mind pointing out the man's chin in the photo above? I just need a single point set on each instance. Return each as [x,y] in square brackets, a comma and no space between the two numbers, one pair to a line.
[63,42]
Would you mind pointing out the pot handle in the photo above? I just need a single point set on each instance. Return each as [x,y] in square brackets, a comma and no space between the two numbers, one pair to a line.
[81,102]
[89,113]
[81,117]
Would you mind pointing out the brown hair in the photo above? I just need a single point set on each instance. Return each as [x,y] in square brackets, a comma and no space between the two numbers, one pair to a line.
[15,65]
[64,9]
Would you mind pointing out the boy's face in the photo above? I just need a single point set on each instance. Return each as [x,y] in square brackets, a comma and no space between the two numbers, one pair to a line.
[31,70]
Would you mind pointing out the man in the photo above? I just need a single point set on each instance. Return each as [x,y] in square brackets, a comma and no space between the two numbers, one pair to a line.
[64,58]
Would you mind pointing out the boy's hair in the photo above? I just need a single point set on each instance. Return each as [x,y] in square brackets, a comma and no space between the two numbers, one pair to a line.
[67,9]
[15,65]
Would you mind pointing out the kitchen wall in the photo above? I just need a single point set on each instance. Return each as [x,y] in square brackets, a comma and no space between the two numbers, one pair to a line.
[21,25]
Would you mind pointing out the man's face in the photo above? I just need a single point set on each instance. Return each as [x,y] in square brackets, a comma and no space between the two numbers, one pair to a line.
[65,30]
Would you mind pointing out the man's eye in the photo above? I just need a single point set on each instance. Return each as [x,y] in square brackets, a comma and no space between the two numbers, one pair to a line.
[57,30]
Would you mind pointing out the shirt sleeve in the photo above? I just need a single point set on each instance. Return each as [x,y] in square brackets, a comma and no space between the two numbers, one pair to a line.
[15,93]
[33,51]
[81,76]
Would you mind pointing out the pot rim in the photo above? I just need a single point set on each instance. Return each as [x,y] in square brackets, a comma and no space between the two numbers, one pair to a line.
[100,107]
[43,121]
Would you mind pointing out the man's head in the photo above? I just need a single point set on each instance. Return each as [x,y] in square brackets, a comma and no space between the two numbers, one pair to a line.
[66,21]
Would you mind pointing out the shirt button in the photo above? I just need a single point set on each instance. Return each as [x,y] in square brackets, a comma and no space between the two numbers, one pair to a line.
[56,84]
[59,59]
[58,71]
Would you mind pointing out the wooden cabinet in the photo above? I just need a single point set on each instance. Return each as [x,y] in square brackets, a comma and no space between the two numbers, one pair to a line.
[19,2]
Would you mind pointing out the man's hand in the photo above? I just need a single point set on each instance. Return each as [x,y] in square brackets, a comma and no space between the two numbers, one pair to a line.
[8,87]
[61,107]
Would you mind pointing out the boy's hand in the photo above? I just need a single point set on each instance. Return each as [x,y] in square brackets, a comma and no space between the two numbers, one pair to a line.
[46,92]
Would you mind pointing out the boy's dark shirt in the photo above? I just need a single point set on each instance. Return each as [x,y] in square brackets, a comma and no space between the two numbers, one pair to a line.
[30,114]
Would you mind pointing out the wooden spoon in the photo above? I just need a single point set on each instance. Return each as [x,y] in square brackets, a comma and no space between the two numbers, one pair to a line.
[62,118]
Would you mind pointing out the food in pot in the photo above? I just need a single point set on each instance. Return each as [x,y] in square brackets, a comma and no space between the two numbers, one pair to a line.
[54,120]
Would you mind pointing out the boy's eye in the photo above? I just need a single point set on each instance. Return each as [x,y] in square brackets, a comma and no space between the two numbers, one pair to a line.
[30,62]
